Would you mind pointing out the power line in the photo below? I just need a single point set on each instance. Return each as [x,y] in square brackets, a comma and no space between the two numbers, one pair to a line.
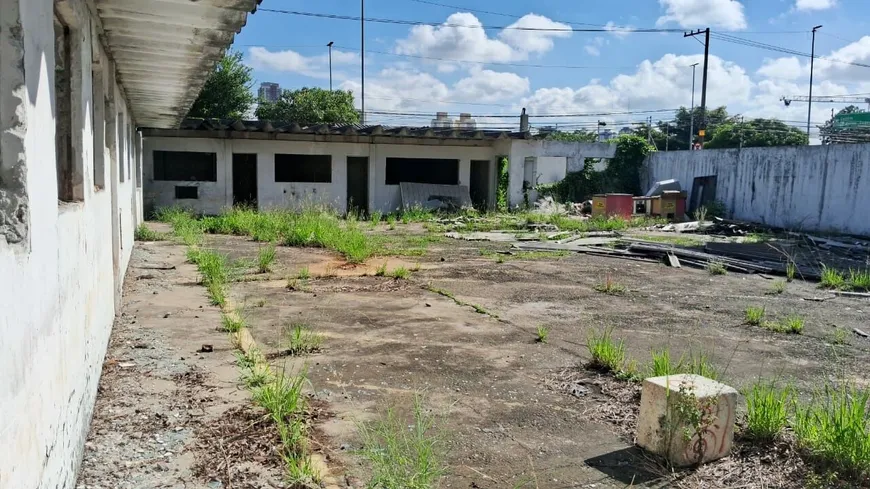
[780,49]
[445,24]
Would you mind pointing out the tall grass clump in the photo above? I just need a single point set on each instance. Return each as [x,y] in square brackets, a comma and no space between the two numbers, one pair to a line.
[300,339]
[184,225]
[608,354]
[767,410]
[754,315]
[832,278]
[699,363]
[859,279]
[265,258]
[404,453]
[662,364]
[833,429]
[144,233]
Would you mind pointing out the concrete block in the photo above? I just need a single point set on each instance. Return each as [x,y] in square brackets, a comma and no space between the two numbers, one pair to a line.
[686,418]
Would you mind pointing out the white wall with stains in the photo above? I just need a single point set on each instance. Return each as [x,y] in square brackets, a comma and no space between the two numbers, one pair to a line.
[809,188]
[61,281]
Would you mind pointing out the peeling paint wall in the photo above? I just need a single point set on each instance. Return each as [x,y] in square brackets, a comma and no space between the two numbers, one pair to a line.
[60,281]
[812,188]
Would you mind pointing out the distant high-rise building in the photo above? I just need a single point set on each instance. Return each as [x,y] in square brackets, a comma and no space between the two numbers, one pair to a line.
[270,92]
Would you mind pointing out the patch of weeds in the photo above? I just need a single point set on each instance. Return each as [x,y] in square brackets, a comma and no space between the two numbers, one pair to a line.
[478,309]
[832,278]
[260,303]
[300,339]
[790,271]
[839,337]
[403,454]
[265,258]
[246,360]
[381,271]
[144,233]
[610,286]
[542,334]
[777,287]
[754,315]
[217,293]
[416,267]
[833,429]
[375,218]
[256,375]
[792,324]
[329,271]
[416,214]
[859,280]
[767,410]
[304,274]
[283,398]
[758,238]
[699,363]
[663,365]
[700,214]
[391,222]
[608,355]
[400,273]
[716,267]
[232,323]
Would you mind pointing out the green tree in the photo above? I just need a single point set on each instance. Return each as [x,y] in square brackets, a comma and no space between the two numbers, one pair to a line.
[227,92]
[756,133]
[307,106]
[580,136]
[623,170]
[675,134]
[832,135]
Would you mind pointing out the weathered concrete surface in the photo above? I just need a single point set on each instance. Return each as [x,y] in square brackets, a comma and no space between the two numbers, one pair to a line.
[809,188]
[666,406]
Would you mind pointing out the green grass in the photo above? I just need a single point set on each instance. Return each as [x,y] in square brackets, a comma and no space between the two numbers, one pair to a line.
[381,271]
[232,323]
[609,286]
[675,240]
[859,279]
[792,324]
[375,218]
[754,315]
[777,287]
[405,452]
[608,355]
[790,271]
[767,410]
[144,233]
[304,274]
[256,375]
[400,273]
[758,238]
[662,364]
[833,429]
[839,337]
[699,363]
[265,258]
[832,278]
[522,220]
[391,222]
[416,214]
[300,339]
[542,334]
[716,267]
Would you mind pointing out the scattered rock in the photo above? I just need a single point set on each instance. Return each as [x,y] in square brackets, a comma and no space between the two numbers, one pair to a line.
[166,315]
[206,348]
[127,364]
[861,333]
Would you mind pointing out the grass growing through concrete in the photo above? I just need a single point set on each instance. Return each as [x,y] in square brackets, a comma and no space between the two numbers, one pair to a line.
[857,280]
[232,323]
[777,287]
[834,429]
[213,270]
[608,355]
[754,315]
[265,258]
[446,293]
[144,233]
[400,273]
[404,453]
[542,334]
[381,271]
[767,410]
[792,324]
[609,286]
[300,339]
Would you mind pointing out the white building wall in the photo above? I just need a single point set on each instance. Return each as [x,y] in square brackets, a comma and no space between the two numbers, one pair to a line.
[214,196]
[59,284]
[810,188]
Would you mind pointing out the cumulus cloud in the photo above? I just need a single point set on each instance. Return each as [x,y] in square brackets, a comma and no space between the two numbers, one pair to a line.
[814,4]
[725,14]
[290,61]
[782,68]
[395,89]
[452,40]
[594,46]
[833,66]
[618,30]
[490,86]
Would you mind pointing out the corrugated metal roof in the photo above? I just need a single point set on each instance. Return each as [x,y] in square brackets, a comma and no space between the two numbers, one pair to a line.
[227,127]
[164,50]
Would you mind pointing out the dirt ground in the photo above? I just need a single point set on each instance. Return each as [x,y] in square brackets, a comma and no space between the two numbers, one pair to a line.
[502,400]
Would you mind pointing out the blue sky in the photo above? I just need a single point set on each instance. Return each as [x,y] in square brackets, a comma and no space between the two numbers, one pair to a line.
[487,72]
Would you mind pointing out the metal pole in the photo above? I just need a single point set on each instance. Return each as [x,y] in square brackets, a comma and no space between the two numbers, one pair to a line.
[692,117]
[812,59]
[704,86]
[330,64]
[362,30]
[599,130]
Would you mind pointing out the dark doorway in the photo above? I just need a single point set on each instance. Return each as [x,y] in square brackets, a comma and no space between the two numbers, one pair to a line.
[479,187]
[358,184]
[703,192]
[245,179]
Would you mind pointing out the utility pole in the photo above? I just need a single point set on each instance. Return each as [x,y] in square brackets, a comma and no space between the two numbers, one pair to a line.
[667,134]
[692,113]
[649,130]
[362,30]
[812,59]
[330,63]
[703,131]
[742,125]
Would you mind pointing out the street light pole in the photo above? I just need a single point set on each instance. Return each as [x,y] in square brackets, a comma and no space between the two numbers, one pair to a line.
[692,113]
[812,59]
[330,63]
[362,30]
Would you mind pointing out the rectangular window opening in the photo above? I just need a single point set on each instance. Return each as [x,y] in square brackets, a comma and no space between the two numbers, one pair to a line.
[303,168]
[422,170]
[185,192]
[98,116]
[69,184]
[185,166]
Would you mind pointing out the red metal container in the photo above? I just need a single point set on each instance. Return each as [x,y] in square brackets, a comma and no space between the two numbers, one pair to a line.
[621,205]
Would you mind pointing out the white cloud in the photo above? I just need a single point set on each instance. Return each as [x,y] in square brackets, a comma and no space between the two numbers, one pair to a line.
[814,4]
[726,14]
[452,41]
[394,89]
[490,86]
[782,68]
[594,46]
[292,62]
[618,30]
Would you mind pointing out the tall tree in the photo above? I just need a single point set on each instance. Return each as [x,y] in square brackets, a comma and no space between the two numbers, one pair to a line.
[579,136]
[756,133]
[227,92]
[675,134]
[835,135]
[307,106]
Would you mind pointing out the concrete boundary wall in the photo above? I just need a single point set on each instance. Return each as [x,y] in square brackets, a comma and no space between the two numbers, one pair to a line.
[810,188]
[61,275]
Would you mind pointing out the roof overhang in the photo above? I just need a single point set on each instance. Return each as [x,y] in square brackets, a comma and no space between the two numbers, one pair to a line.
[164,50]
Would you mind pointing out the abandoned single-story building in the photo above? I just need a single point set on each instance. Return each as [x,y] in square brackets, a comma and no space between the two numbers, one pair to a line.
[207,166]
[77,78]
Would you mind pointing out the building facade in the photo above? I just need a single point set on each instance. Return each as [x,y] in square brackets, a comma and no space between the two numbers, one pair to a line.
[71,196]
[269,92]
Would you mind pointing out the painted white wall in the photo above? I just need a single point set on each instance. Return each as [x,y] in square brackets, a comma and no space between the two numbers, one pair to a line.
[58,286]
[215,196]
[813,188]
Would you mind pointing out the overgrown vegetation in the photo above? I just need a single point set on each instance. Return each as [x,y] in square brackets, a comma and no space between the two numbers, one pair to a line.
[404,453]
[792,323]
[716,267]
[300,339]
[662,364]
[858,280]
[767,408]
[400,273]
[608,355]
[232,323]
[144,233]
